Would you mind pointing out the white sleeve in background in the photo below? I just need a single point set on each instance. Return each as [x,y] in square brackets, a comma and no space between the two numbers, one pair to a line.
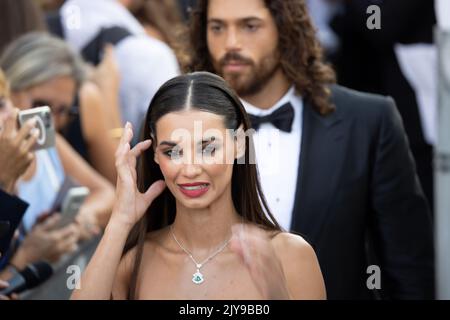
[145,64]
[443,13]
[82,20]
[418,63]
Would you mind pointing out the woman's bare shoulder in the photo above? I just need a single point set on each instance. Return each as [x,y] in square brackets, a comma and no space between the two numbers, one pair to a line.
[288,243]
[300,265]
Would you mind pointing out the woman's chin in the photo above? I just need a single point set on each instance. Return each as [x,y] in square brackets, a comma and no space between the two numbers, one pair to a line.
[196,204]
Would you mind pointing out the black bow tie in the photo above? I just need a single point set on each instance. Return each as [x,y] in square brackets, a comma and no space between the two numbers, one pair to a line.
[281,118]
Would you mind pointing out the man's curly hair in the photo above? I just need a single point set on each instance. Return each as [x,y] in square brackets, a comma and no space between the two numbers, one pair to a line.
[301,55]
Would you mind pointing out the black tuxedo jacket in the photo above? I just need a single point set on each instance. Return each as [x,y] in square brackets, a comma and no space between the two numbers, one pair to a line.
[12,210]
[359,201]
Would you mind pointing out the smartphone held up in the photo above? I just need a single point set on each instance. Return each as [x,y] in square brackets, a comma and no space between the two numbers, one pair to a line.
[44,123]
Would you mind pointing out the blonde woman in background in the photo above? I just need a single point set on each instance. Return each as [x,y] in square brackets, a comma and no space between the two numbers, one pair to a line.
[43,70]
[41,182]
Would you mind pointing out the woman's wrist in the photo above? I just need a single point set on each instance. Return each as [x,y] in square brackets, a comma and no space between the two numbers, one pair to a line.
[116,234]
[116,226]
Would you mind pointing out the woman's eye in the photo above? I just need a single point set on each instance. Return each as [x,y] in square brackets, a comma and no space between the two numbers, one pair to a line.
[209,150]
[173,154]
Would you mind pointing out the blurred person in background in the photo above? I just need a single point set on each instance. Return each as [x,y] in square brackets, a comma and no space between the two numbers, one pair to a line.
[144,63]
[44,70]
[33,82]
[107,78]
[15,157]
[98,95]
[163,20]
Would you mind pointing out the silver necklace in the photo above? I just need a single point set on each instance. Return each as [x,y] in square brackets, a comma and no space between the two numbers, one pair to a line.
[198,277]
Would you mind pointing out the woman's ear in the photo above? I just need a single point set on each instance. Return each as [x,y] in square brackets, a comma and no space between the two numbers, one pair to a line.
[240,142]
[156,158]
[155,154]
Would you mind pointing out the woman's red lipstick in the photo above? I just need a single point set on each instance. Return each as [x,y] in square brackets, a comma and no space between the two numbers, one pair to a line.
[194,190]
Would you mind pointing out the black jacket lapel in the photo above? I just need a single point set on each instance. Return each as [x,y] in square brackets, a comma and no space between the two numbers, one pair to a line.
[321,158]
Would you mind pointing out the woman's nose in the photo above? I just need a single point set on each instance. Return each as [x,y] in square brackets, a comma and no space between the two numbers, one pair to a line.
[191,170]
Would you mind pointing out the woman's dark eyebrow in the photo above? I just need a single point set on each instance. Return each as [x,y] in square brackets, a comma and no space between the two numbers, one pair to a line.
[168,143]
[209,140]
[174,144]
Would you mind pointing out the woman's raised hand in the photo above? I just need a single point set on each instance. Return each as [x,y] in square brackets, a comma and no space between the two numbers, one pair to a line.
[131,204]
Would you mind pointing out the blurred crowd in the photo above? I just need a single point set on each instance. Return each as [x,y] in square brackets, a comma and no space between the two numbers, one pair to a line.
[94,77]
[97,65]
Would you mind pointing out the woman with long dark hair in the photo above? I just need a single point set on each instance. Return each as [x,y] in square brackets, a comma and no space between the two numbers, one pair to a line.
[209,234]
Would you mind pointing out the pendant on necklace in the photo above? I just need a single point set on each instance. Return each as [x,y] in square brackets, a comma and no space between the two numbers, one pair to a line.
[197,277]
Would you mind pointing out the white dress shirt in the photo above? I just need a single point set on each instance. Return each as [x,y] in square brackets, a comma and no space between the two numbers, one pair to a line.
[144,63]
[277,157]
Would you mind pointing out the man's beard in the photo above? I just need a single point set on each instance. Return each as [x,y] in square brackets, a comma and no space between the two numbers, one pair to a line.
[252,82]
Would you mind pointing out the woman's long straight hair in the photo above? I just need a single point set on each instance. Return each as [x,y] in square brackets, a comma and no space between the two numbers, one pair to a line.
[205,92]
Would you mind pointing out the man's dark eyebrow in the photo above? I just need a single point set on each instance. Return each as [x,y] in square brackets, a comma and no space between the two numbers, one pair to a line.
[251,19]
[215,20]
[168,143]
